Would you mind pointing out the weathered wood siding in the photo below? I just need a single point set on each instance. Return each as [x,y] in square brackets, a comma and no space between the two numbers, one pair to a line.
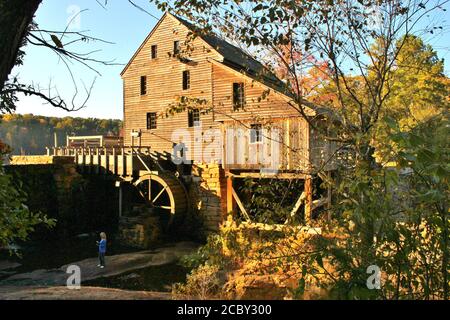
[256,106]
[164,85]
[298,147]
[284,145]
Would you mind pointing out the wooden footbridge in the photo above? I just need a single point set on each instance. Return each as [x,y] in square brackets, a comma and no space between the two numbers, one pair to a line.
[152,175]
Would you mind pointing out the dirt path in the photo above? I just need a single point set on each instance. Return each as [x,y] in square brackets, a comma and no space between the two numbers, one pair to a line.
[85,293]
[51,284]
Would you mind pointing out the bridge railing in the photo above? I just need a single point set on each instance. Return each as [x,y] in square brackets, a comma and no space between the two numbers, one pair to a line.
[80,151]
[121,161]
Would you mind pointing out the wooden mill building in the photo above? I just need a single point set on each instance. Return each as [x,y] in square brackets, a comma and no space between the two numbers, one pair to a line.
[204,101]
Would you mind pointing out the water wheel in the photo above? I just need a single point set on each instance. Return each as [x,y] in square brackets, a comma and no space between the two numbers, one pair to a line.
[164,193]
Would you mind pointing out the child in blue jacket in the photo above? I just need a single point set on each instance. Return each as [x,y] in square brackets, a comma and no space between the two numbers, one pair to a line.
[102,250]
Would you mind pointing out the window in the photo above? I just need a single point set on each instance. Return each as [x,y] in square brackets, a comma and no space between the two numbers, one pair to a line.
[238,96]
[151,120]
[143,85]
[176,47]
[194,118]
[186,80]
[256,133]
[154,51]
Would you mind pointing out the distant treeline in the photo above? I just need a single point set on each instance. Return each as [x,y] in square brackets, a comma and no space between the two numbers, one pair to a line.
[29,134]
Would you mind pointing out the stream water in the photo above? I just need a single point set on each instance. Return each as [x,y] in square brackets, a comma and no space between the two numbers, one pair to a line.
[54,254]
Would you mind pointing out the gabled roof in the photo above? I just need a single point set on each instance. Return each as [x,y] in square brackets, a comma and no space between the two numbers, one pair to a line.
[236,58]
[232,56]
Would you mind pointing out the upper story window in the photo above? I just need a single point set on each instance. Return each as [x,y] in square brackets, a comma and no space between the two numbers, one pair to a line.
[154,51]
[176,47]
[238,96]
[194,118]
[256,133]
[186,80]
[143,85]
[151,121]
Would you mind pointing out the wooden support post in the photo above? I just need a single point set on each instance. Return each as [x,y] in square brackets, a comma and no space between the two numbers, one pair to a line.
[240,205]
[114,157]
[123,172]
[83,157]
[294,211]
[308,200]
[106,168]
[90,160]
[230,201]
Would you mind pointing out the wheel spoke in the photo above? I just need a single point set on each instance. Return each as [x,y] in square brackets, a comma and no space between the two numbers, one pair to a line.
[159,195]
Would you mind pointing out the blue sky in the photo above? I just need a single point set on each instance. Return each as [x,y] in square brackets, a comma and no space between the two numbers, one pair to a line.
[126,27]
[121,24]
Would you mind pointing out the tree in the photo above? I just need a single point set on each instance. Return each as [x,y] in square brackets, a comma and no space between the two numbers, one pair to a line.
[15,20]
[360,43]
[395,219]
[419,88]
[32,134]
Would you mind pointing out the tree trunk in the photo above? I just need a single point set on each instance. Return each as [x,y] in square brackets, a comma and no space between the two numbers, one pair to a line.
[15,18]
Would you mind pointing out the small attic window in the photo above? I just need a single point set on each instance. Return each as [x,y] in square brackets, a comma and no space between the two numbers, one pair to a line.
[154,51]
[176,47]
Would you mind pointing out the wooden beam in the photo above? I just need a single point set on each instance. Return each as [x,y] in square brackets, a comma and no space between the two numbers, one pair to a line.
[241,206]
[319,203]
[288,144]
[145,172]
[309,200]
[258,175]
[230,205]
[297,206]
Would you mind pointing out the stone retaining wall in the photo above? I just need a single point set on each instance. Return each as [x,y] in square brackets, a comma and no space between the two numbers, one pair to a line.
[55,188]
[79,203]
[208,194]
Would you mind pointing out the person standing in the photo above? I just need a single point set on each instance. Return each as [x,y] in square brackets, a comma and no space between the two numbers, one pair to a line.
[102,250]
